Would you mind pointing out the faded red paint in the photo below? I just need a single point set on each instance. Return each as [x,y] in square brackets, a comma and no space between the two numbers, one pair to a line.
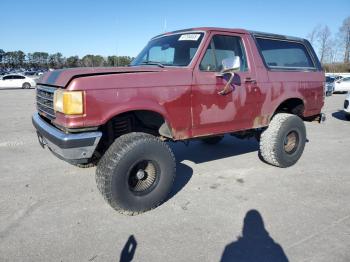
[188,98]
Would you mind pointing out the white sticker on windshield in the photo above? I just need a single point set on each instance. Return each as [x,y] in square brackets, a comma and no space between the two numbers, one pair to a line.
[189,37]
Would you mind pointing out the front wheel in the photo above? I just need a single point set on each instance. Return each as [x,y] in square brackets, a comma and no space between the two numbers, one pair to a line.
[26,85]
[136,173]
[283,142]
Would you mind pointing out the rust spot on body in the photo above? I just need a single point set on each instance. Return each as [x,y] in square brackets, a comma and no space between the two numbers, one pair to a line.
[261,121]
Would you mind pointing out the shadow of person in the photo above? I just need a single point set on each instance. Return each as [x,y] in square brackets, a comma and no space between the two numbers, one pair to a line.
[128,251]
[255,243]
[340,115]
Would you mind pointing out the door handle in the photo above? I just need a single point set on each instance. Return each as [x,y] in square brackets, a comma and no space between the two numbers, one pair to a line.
[250,80]
[228,88]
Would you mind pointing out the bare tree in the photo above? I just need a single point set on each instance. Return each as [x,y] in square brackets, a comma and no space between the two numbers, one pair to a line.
[333,52]
[344,32]
[324,42]
[313,35]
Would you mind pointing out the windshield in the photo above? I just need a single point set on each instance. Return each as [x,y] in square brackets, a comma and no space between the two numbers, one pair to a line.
[171,50]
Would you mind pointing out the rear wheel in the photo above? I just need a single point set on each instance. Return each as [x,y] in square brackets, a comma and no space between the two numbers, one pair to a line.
[136,173]
[212,140]
[26,85]
[283,142]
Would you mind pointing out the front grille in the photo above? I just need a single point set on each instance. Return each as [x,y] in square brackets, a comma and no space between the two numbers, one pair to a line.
[346,104]
[44,101]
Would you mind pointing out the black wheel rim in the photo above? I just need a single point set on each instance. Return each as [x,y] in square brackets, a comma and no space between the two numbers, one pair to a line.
[291,142]
[143,177]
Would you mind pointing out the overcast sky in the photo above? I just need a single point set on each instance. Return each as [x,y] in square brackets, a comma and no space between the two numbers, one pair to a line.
[109,27]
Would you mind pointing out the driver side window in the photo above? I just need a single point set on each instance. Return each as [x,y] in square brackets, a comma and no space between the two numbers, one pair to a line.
[222,47]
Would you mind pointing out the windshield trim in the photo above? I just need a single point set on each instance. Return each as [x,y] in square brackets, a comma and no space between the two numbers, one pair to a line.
[194,58]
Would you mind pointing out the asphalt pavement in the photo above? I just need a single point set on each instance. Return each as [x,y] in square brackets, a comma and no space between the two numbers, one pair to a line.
[226,205]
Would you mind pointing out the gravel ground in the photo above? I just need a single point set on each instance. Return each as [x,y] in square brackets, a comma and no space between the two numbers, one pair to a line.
[224,199]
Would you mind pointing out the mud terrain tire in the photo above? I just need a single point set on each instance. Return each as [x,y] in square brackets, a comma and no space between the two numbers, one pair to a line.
[136,173]
[283,142]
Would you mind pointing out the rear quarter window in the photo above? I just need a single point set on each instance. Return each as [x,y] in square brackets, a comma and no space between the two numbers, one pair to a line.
[280,54]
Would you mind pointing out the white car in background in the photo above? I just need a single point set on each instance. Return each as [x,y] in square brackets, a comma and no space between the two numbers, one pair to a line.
[329,86]
[347,107]
[15,80]
[342,85]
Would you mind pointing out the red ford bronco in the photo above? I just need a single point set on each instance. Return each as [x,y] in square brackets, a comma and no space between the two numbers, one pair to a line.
[197,83]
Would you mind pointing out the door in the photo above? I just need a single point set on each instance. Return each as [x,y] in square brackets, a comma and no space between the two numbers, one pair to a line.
[213,113]
[18,81]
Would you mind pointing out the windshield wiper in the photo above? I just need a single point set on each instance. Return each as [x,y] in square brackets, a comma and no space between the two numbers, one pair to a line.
[152,63]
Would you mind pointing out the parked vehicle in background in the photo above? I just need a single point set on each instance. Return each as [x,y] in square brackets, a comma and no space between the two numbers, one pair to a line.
[190,84]
[329,85]
[342,85]
[347,107]
[337,77]
[30,73]
[15,80]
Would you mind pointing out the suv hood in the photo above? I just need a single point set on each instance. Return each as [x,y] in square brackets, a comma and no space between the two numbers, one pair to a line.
[62,77]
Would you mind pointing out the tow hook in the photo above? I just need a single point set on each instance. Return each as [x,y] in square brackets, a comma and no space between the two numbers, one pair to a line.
[322,118]
[42,141]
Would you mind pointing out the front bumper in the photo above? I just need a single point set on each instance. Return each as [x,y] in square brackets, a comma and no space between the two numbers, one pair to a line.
[74,148]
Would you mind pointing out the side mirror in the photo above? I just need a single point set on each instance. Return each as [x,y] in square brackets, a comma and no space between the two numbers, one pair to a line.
[229,66]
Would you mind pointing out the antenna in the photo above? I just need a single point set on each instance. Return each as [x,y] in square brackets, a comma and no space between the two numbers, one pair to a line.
[116,44]
[165,25]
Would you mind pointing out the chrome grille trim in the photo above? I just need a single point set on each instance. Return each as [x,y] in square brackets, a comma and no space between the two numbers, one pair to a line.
[44,101]
[44,97]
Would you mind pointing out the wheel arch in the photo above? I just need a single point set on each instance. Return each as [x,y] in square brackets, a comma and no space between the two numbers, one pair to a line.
[150,118]
[292,105]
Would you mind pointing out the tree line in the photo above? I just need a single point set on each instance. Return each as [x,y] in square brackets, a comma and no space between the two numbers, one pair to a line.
[44,60]
[333,49]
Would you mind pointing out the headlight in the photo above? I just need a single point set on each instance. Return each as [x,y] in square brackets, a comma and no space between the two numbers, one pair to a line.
[68,102]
